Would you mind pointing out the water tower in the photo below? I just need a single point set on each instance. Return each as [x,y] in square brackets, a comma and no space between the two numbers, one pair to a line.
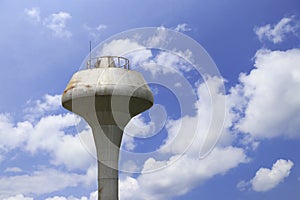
[107,95]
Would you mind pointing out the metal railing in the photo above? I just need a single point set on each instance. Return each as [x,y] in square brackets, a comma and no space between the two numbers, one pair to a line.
[107,62]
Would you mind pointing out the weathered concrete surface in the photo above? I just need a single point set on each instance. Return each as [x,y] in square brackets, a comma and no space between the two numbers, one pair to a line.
[107,98]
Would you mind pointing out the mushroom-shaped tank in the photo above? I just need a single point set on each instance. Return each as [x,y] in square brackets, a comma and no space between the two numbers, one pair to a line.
[112,87]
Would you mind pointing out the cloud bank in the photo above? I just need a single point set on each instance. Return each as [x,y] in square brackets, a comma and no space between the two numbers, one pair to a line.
[267,179]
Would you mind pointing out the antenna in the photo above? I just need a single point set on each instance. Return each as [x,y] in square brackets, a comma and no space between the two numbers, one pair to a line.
[90,55]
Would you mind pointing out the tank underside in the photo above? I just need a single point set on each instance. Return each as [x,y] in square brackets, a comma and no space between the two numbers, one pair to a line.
[108,108]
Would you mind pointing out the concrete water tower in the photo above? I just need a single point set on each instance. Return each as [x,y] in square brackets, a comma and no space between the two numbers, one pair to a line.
[107,95]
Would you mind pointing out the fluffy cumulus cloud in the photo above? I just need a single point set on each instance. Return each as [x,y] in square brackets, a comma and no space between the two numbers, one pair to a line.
[55,22]
[92,196]
[278,32]
[177,178]
[33,13]
[55,136]
[38,180]
[12,135]
[182,28]
[164,179]
[18,197]
[35,109]
[269,94]
[55,180]
[166,63]
[137,127]
[48,135]
[125,46]
[13,169]
[205,127]
[159,39]
[266,179]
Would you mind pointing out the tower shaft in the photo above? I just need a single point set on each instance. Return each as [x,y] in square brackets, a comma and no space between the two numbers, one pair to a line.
[108,159]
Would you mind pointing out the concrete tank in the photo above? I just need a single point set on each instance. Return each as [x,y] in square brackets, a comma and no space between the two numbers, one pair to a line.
[107,95]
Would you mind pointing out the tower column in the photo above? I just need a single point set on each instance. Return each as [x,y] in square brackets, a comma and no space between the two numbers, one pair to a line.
[107,140]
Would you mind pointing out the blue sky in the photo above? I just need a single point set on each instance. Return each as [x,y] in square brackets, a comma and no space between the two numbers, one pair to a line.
[255,46]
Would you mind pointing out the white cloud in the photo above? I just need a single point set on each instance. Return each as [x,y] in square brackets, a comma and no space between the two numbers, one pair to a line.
[274,80]
[48,103]
[125,46]
[13,135]
[37,108]
[61,198]
[128,142]
[167,63]
[54,180]
[49,134]
[182,28]
[159,39]
[33,14]
[13,169]
[92,196]
[181,176]
[56,22]
[127,186]
[129,166]
[72,147]
[205,127]
[243,185]
[139,128]
[136,53]
[139,56]
[269,94]
[101,27]
[278,32]
[18,197]
[267,179]
[169,60]
[182,172]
